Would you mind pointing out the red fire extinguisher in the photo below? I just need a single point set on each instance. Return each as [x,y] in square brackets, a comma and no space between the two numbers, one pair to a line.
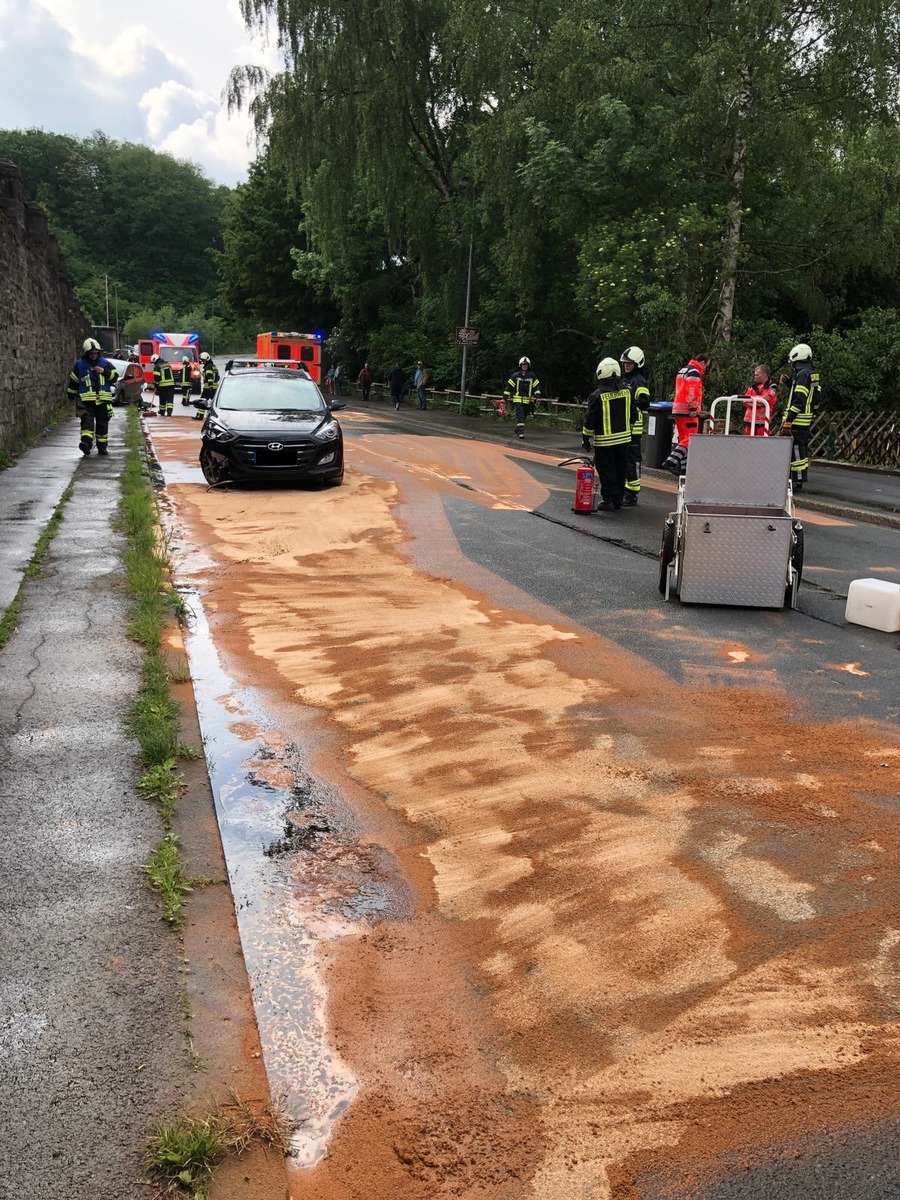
[584,489]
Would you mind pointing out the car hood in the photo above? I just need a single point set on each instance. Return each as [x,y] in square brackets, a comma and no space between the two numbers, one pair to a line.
[284,422]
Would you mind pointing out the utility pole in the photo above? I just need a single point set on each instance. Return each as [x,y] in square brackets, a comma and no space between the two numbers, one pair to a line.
[118,335]
[106,278]
[462,380]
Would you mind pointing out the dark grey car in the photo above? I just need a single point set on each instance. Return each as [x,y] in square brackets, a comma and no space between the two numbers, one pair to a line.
[268,424]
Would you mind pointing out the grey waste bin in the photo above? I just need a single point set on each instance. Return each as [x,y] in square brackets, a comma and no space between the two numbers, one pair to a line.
[657,439]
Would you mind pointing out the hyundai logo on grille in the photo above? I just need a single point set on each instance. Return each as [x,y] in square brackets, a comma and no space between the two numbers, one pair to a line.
[275,446]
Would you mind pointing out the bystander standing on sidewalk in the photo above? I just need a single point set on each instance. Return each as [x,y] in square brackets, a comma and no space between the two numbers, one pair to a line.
[420,383]
[396,381]
[364,379]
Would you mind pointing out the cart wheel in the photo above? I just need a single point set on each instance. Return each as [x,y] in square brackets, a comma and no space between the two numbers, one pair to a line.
[666,552]
[797,563]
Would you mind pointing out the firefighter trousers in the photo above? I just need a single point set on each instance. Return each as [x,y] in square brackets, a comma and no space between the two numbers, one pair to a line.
[186,393]
[166,400]
[94,422]
[633,466]
[800,453]
[523,411]
[611,463]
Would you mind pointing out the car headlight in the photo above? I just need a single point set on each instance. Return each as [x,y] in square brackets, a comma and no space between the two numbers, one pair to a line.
[217,432]
[327,432]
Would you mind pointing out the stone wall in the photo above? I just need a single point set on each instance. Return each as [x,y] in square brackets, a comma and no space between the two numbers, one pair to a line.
[41,324]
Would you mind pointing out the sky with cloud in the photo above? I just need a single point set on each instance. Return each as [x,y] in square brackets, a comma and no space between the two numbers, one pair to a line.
[151,73]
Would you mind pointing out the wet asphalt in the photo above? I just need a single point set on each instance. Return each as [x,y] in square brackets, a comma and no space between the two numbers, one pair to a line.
[89,1030]
[90,1020]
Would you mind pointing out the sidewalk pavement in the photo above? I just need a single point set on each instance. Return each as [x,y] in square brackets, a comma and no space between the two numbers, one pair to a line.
[859,493]
[90,1029]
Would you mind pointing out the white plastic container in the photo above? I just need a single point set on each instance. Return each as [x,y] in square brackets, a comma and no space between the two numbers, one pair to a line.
[874,603]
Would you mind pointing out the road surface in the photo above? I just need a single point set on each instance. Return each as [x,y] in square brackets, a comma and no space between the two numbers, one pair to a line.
[637,930]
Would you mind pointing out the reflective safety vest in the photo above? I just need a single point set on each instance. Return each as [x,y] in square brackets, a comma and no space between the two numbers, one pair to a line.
[755,414]
[92,382]
[523,387]
[163,375]
[610,414]
[805,394]
[689,390]
[640,395]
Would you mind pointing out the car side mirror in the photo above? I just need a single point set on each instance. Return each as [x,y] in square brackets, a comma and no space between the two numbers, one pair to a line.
[334,405]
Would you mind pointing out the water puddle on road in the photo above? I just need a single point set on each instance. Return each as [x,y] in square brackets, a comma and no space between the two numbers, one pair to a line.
[279,926]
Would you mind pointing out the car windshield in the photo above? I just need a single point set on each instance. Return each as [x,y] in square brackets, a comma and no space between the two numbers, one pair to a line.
[271,393]
[174,354]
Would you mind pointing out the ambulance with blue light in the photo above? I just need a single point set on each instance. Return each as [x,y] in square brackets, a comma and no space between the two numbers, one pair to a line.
[172,348]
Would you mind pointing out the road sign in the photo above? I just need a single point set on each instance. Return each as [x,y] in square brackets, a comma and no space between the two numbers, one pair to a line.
[466,335]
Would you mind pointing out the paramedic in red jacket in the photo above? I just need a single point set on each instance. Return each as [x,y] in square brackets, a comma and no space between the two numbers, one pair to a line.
[686,410]
[758,419]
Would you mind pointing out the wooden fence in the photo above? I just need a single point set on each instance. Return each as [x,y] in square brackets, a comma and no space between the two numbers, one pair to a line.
[868,438]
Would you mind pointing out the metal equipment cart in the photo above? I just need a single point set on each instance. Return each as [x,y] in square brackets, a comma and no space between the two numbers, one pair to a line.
[733,538]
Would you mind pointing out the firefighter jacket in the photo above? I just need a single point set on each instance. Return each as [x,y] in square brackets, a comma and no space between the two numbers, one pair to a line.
[640,397]
[523,389]
[183,377]
[804,397]
[163,375]
[610,414]
[92,383]
[210,377]
[755,414]
[689,390]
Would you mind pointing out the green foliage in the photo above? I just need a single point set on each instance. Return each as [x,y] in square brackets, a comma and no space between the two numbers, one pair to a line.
[684,174]
[148,222]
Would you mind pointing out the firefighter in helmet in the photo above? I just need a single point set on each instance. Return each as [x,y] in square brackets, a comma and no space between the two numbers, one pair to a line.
[608,422]
[210,381]
[524,389]
[632,361]
[187,382]
[804,396]
[164,383]
[91,386]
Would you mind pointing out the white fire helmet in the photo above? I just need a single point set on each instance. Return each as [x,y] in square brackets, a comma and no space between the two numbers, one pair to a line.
[608,368]
[633,354]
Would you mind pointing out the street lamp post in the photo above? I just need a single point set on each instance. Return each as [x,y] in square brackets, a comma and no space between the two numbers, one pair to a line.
[116,295]
[462,378]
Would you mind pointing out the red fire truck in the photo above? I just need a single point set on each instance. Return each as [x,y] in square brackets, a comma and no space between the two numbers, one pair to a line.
[305,348]
[171,348]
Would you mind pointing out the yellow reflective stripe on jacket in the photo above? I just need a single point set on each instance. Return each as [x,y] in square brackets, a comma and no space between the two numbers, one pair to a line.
[163,375]
[606,435]
[802,399]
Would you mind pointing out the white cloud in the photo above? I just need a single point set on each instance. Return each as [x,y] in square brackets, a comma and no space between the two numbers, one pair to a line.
[153,74]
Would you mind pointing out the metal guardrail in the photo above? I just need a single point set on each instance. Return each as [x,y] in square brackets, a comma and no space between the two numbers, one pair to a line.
[557,414]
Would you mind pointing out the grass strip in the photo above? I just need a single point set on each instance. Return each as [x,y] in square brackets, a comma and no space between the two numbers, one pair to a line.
[10,618]
[183,1154]
[154,716]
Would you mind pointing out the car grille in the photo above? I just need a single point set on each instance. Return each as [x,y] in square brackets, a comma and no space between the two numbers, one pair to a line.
[292,454]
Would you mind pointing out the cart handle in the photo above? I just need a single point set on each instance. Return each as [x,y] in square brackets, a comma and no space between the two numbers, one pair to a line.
[729,400]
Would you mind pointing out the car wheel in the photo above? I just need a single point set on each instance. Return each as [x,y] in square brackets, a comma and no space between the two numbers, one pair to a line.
[214,468]
[334,480]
